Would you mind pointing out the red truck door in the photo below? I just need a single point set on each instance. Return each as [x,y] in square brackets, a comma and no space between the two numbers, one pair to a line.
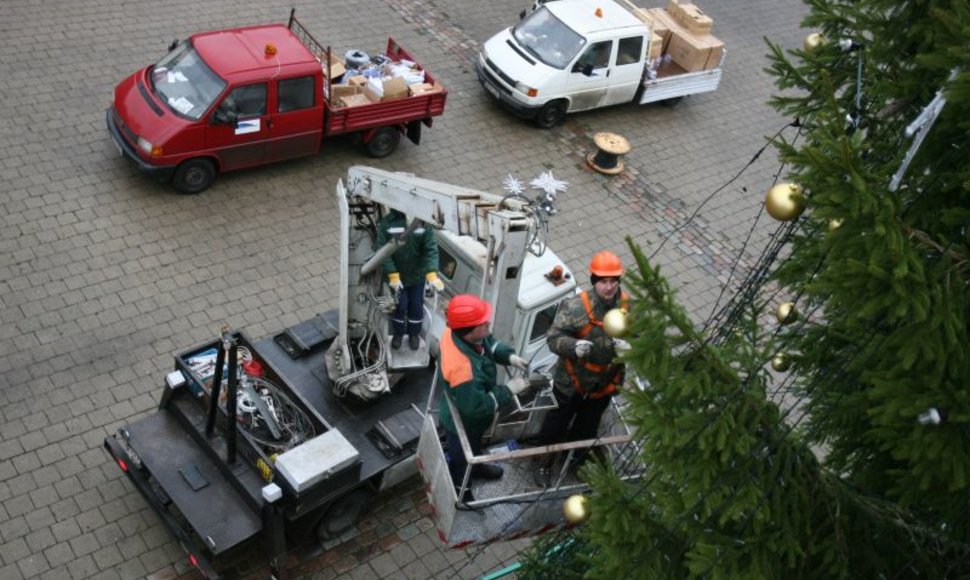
[239,130]
[296,123]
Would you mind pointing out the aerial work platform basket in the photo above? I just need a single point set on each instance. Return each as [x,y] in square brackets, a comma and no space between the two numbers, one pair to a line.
[515,506]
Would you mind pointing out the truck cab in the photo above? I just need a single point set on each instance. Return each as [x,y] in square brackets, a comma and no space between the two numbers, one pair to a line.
[566,56]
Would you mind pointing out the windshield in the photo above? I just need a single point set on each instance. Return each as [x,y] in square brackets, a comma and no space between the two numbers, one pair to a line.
[548,39]
[186,84]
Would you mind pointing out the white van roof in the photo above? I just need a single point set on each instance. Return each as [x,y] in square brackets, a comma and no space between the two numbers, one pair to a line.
[580,15]
[534,289]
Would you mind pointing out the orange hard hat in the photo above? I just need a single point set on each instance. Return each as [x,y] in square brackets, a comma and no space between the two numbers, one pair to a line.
[606,264]
[467,310]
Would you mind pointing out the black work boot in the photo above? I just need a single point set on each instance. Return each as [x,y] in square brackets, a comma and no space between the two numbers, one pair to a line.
[396,341]
[414,342]
[487,471]
[543,475]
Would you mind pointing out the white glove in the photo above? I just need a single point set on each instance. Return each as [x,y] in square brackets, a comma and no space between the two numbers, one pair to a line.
[621,346]
[434,281]
[394,281]
[518,385]
[519,362]
[582,348]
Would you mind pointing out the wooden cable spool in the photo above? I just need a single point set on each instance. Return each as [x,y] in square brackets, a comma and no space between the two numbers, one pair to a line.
[610,147]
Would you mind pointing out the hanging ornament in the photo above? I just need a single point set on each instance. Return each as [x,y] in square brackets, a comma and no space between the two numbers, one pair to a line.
[814,41]
[786,313]
[548,183]
[576,509]
[614,323]
[780,363]
[785,201]
[513,185]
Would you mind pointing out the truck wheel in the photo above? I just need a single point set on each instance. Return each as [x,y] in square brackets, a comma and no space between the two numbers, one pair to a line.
[383,143]
[671,101]
[194,176]
[551,114]
[343,514]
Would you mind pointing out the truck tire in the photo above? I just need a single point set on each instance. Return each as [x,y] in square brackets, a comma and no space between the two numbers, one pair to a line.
[383,143]
[194,176]
[551,114]
[343,514]
[671,102]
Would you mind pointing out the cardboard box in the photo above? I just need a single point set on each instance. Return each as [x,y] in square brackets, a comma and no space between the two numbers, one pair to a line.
[656,46]
[424,88]
[340,91]
[371,95]
[664,25]
[694,52]
[691,17]
[358,81]
[354,100]
[396,88]
[337,69]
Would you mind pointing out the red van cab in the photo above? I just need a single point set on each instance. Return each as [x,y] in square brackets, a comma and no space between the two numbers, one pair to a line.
[238,98]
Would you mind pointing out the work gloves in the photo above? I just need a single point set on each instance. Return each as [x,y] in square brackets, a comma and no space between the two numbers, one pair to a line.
[582,348]
[434,281]
[519,362]
[621,346]
[519,385]
[394,281]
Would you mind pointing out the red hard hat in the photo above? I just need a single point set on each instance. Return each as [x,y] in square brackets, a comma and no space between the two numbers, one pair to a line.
[467,310]
[606,265]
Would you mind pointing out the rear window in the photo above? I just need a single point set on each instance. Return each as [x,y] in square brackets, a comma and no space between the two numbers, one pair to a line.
[630,50]
[295,94]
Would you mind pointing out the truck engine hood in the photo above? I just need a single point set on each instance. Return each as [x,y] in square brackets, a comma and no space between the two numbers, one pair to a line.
[141,111]
[514,61]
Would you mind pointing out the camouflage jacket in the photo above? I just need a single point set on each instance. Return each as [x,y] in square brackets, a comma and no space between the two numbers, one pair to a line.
[570,319]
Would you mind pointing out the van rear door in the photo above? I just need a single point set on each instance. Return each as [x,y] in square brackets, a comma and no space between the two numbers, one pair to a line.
[296,123]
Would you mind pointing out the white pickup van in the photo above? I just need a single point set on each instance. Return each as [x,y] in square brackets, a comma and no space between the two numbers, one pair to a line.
[576,55]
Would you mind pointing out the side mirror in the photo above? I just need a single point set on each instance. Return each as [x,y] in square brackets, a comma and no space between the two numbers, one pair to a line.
[586,69]
[172,46]
[521,15]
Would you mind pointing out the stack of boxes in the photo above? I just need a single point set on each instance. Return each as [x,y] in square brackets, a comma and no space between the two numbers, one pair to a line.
[375,84]
[684,34]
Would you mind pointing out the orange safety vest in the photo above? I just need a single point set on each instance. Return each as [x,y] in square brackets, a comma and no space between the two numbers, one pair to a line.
[592,367]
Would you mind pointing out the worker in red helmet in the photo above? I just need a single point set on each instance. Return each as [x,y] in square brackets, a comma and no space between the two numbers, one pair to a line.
[467,376]
[587,374]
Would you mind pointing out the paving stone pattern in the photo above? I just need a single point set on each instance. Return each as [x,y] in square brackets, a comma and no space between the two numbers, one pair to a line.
[104,274]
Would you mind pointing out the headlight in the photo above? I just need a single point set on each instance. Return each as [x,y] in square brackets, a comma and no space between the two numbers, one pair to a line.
[148,148]
[527,91]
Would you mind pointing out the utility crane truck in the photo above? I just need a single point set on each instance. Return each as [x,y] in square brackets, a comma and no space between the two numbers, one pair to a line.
[284,439]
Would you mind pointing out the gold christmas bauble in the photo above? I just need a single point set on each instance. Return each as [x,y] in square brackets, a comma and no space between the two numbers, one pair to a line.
[786,313]
[813,41]
[834,224]
[780,363]
[614,323]
[576,509]
[785,201]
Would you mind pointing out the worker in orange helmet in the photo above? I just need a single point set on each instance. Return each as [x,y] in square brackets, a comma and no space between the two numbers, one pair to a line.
[467,376]
[587,374]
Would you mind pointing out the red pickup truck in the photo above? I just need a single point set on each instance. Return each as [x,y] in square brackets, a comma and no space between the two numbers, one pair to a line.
[242,97]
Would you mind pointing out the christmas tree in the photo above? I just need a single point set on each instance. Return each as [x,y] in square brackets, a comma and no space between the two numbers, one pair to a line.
[864,471]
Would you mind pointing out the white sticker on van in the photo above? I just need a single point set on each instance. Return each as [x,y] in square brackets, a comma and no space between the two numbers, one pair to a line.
[247,126]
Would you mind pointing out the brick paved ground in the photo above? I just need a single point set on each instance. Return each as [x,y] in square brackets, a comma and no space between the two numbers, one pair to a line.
[104,274]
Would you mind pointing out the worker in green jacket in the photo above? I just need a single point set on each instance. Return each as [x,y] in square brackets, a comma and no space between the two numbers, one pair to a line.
[408,270]
[467,377]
